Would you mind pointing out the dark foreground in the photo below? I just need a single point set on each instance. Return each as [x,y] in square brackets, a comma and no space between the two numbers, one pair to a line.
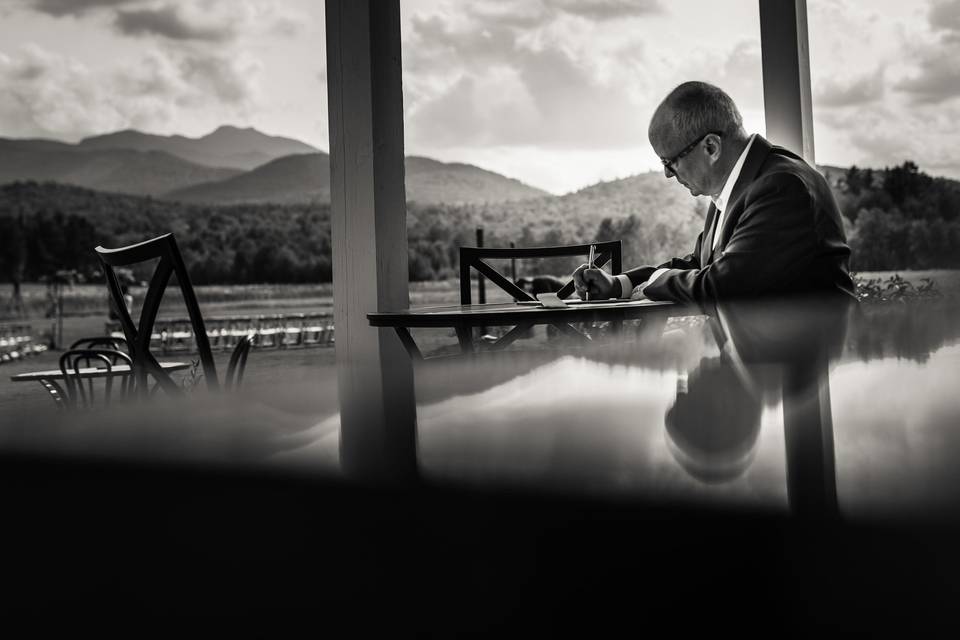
[757,471]
[94,544]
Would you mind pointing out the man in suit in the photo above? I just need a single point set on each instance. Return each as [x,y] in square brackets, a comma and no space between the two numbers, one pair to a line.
[773,227]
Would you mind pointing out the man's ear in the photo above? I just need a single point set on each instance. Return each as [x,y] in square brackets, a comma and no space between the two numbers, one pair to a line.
[714,146]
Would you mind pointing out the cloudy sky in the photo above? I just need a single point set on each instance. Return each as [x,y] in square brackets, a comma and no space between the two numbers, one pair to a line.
[557,93]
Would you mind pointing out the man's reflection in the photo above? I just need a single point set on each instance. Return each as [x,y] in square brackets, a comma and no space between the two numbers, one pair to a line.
[713,426]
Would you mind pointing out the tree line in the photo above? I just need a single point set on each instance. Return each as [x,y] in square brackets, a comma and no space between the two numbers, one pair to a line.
[896,218]
[900,218]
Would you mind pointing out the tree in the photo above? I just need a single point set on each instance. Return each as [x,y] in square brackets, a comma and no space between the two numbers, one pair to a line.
[13,257]
[853,179]
[905,181]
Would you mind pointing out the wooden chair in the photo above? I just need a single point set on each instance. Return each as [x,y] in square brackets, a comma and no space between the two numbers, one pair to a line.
[100,342]
[138,334]
[238,361]
[80,392]
[473,258]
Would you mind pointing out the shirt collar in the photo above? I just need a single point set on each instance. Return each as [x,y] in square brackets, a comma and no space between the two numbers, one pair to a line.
[721,201]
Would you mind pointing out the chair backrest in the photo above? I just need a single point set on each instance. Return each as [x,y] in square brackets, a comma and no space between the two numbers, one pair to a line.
[473,257]
[238,361]
[138,335]
[81,390]
[100,342]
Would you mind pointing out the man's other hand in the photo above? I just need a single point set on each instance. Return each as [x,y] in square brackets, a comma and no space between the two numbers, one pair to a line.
[598,282]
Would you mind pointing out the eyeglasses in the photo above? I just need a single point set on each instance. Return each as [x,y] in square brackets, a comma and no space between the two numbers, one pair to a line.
[670,162]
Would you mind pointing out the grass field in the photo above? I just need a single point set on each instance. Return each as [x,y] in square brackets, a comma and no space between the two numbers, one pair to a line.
[268,369]
[85,315]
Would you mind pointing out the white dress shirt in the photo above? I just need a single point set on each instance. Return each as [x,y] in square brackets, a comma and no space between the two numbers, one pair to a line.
[719,201]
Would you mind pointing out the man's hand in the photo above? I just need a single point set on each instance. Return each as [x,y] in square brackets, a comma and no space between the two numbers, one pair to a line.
[598,282]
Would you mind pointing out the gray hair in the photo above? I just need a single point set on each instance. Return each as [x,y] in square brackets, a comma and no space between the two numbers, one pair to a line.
[693,109]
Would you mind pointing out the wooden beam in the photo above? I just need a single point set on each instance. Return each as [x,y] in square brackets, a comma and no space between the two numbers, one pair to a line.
[369,233]
[785,53]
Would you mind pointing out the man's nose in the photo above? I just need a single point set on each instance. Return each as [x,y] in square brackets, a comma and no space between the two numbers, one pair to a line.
[667,172]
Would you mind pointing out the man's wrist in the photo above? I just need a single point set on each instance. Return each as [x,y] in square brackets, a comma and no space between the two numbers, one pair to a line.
[623,288]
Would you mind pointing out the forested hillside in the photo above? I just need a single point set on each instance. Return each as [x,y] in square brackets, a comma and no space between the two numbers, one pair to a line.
[305,178]
[897,218]
[900,218]
[655,218]
[45,227]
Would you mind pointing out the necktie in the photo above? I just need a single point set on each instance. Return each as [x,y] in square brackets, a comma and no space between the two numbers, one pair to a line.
[706,250]
[715,236]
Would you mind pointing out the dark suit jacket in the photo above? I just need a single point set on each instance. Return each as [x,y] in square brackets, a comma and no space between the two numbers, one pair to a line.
[782,234]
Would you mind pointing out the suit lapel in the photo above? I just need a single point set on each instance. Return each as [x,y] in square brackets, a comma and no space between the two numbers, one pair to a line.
[706,240]
[757,155]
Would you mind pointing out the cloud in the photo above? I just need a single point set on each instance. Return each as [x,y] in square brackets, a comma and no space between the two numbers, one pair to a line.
[847,92]
[945,15]
[166,21]
[213,21]
[937,76]
[885,134]
[74,7]
[607,9]
[518,14]
[231,79]
[50,95]
[486,78]
[485,83]
[532,14]
[934,57]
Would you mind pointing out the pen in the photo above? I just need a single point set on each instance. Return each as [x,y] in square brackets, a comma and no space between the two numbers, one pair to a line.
[590,258]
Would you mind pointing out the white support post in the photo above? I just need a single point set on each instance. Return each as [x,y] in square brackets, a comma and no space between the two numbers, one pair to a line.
[369,237]
[785,53]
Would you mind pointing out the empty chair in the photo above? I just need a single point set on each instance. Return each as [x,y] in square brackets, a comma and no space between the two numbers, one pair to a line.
[138,335]
[83,388]
[100,342]
[474,258]
[238,361]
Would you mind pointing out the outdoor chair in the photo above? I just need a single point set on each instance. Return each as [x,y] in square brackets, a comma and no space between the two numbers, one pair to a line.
[138,335]
[100,342]
[238,361]
[81,391]
[475,258]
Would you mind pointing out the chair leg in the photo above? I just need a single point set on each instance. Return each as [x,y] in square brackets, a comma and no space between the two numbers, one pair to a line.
[465,338]
[511,336]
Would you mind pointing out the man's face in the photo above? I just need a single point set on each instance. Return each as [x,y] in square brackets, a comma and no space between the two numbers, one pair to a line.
[691,164]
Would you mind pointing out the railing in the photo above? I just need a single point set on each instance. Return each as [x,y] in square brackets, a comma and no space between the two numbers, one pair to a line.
[279,331]
[16,341]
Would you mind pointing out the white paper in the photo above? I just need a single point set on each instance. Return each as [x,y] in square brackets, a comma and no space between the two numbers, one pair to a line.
[551,301]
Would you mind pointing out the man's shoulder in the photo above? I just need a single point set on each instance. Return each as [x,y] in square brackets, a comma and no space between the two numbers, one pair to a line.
[781,160]
[785,167]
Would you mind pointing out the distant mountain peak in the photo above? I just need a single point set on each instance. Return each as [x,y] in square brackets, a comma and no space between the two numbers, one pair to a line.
[229,128]
[227,146]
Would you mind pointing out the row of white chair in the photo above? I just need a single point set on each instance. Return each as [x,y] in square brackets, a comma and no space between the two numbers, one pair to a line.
[273,331]
[16,342]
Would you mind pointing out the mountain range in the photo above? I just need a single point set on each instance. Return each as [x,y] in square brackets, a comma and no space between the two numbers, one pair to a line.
[230,166]
[233,165]
[228,147]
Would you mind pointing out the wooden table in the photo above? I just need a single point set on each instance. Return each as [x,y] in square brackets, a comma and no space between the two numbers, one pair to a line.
[521,315]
